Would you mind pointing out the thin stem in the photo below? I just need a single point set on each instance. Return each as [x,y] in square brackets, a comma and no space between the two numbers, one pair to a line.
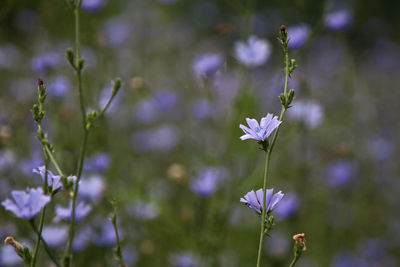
[294,261]
[45,245]
[118,251]
[53,160]
[84,141]
[107,105]
[267,157]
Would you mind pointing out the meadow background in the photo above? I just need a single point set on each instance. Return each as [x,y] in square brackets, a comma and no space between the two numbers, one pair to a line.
[336,158]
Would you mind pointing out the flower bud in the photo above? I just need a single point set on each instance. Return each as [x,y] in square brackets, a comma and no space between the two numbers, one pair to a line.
[116,86]
[70,56]
[300,242]
[81,63]
[290,97]
[21,250]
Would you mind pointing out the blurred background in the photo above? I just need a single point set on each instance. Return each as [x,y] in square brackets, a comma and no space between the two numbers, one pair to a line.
[169,150]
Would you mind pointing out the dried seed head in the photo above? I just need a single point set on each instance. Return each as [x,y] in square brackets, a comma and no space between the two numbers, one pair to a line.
[40,81]
[12,242]
[300,240]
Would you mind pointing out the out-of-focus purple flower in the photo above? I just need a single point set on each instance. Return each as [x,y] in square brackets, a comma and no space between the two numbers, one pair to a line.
[161,139]
[55,236]
[278,245]
[288,206]
[27,204]
[338,20]
[298,35]
[115,32]
[92,188]
[26,165]
[106,237]
[92,5]
[45,61]
[53,181]
[146,111]
[184,259]
[99,162]
[347,259]
[58,87]
[129,255]
[207,64]
[7,159]
[144,211]
[254,52]
[254,200]
[310,112]
[340,173]
[82,238]
[202,109]
[165,100]
[8,257]
[207,181]
[261,131]
[81,211]
[381,149]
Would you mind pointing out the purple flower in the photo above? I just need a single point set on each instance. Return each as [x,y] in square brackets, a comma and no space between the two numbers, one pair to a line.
[161,139]
[310,112]
[55,236]
[115,32]
[184,259]
[81,211]
[207,181]
[298,35]
[254,200]
[338,20]
[82,238]
[92,5]
[92,188]
[53,181]
[45,61]
[252,53]
[165,100]
[261,131]
[27,203]
[145,211]
[58,87]
[340,173]
[106,237]
[146,111]
[99,162]
[207,64]
[202,109]
[288,206]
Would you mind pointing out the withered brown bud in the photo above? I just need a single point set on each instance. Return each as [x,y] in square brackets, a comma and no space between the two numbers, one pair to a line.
[40,81]
[12,242]
[300,240]
[282,28]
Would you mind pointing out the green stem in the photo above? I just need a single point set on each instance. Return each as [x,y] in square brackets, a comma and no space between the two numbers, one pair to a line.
[263,210]
[294,261]
[45,245]
[268,156]
[118,249]
[67,257]
[43,212]
[53,160]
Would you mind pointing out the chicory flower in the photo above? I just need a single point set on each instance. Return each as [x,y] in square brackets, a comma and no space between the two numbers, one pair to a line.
[254,200]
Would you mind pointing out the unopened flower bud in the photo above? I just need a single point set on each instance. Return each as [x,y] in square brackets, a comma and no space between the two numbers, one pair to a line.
[290,97]
[70,56]
[283,99]
[81,63]
[116,86]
